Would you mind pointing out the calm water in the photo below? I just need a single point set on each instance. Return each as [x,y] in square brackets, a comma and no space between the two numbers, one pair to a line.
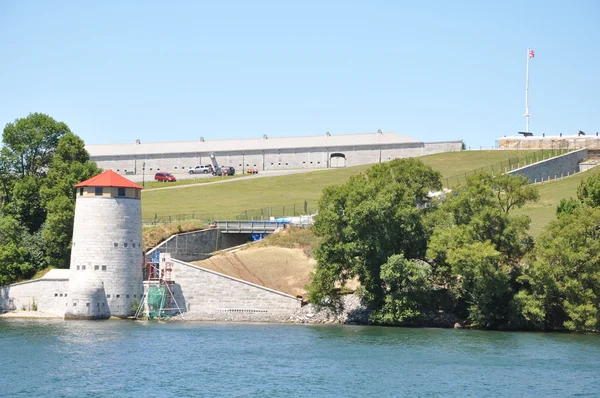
[53,358]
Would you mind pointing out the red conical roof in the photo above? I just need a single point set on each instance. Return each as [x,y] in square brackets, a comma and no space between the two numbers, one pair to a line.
[109,179]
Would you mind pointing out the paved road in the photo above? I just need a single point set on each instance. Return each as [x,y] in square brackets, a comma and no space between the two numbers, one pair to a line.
[218,180]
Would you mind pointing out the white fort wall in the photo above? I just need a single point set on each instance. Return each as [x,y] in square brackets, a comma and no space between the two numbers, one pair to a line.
[290,158]
[107,242]
[48,295]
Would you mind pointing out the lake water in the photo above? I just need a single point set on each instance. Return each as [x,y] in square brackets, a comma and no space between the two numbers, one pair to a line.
[55,358]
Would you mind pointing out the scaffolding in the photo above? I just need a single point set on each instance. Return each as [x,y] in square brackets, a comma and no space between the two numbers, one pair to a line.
[158,300]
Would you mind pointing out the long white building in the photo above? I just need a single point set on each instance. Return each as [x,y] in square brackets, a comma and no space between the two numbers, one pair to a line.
[266,153]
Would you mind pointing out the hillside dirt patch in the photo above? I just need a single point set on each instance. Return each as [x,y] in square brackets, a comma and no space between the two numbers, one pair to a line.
[283,269]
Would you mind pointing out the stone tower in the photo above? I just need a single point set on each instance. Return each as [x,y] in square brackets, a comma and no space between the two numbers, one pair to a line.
[106,258]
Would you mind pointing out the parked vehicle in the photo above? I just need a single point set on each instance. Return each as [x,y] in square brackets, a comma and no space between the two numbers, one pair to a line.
[202,169]
[224,171]
[229,170]
[164,177]
[252,171]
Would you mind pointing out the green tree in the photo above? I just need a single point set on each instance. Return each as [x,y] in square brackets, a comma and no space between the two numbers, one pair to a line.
[366,221]
[589,191]
[562,281]
[30,143]
[29,146]
[566,206]
[13,264]
[477,245]
[408,288]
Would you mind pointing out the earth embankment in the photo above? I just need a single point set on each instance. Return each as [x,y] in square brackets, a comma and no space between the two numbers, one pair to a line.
[283,269]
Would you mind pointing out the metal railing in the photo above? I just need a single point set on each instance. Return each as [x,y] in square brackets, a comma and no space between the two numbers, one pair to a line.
[264,213]
[286,210]
[262,227]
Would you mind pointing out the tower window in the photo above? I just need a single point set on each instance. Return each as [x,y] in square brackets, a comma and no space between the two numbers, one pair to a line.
[98,191]
[118,296]
[104,268]
[81,191]
[121,192]
[74,304]
[83,267]
[87,304]
[124,244]
[78,268]
[108,296]
[116,244]
[96,267]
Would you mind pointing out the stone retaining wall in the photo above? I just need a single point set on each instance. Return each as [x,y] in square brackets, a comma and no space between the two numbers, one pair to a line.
[553,168]
[199,245]
[208,295]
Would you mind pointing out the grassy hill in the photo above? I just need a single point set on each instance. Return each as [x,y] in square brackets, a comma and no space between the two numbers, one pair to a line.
[231,199]
[543,211]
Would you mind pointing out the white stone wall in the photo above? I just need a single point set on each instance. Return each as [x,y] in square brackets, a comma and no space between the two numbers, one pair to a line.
[198,290]
[107,241]
[274,159]
[550,142]
[49,295]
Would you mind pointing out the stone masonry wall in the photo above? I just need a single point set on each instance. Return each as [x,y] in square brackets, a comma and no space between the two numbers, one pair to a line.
[289,158]
[550,169]
[49,295]
[199,245]
[205,294]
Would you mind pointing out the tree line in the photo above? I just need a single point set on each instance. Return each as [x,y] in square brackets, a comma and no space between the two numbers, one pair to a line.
[468,254]
[40,162]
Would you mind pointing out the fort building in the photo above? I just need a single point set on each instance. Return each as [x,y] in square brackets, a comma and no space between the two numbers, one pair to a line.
[266,153]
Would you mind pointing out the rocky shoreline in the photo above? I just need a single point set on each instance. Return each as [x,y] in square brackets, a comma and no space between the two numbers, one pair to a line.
[353,313]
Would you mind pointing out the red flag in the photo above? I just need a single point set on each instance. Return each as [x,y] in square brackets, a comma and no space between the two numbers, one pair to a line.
[531,53]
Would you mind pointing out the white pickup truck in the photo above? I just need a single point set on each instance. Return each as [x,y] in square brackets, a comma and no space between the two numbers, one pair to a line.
[203,169]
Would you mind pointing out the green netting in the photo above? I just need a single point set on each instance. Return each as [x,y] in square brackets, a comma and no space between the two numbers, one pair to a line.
[157,296]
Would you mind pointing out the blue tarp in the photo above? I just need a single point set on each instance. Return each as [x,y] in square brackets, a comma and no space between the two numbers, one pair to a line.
[155,257]
[255,237]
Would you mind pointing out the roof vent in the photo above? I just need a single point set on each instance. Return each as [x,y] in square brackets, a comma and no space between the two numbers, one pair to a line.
[138,142]
[201,139]
[265,137]
[328,134]
[379,132]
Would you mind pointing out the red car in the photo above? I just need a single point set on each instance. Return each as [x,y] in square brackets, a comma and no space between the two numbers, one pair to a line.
[165,177]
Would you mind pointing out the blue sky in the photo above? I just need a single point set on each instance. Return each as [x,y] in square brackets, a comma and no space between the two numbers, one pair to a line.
[115,71]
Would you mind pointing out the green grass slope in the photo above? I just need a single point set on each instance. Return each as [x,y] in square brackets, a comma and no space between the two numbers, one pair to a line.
[230,199]
[551,193]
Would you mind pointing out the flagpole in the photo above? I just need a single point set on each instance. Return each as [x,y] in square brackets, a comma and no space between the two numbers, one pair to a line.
[527,92]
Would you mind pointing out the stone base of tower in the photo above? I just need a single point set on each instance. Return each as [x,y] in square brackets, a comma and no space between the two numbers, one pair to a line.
[69,316]
[87,298]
